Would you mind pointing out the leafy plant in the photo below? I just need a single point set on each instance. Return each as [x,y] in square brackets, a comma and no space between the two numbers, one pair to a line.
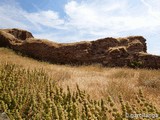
[136,64]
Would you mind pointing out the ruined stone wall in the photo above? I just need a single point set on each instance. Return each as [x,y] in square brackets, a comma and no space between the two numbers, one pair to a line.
[129,51]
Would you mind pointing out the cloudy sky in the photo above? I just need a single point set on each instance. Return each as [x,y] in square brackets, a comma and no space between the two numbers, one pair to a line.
[76,20]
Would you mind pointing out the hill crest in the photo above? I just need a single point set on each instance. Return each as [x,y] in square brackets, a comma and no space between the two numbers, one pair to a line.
[129,51]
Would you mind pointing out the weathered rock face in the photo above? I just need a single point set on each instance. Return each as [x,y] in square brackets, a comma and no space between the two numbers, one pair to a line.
[129,51]
[18,33]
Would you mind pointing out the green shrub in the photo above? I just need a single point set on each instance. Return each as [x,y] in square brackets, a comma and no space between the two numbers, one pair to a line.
[136,64]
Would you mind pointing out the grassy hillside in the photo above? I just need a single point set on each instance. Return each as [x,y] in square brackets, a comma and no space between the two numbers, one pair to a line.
[38,90]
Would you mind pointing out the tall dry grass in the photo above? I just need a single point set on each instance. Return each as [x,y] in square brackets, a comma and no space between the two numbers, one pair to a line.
[98,81]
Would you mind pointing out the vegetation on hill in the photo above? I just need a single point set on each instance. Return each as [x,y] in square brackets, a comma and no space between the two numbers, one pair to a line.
[36,90]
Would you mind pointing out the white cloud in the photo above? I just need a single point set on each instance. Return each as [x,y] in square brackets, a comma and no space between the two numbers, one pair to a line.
[12,15]
[105,16]
[153,7]
[91,16]
[46,18]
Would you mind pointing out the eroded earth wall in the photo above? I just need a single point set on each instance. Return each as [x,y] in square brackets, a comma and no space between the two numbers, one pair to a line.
[113,52]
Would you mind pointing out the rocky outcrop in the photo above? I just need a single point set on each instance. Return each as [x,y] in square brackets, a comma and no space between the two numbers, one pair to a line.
[130,51]
[18,33]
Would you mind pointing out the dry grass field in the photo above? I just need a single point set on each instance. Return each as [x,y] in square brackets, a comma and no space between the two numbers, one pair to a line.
[99,82]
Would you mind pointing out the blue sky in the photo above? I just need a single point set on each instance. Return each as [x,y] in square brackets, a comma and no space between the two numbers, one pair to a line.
[79,20]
